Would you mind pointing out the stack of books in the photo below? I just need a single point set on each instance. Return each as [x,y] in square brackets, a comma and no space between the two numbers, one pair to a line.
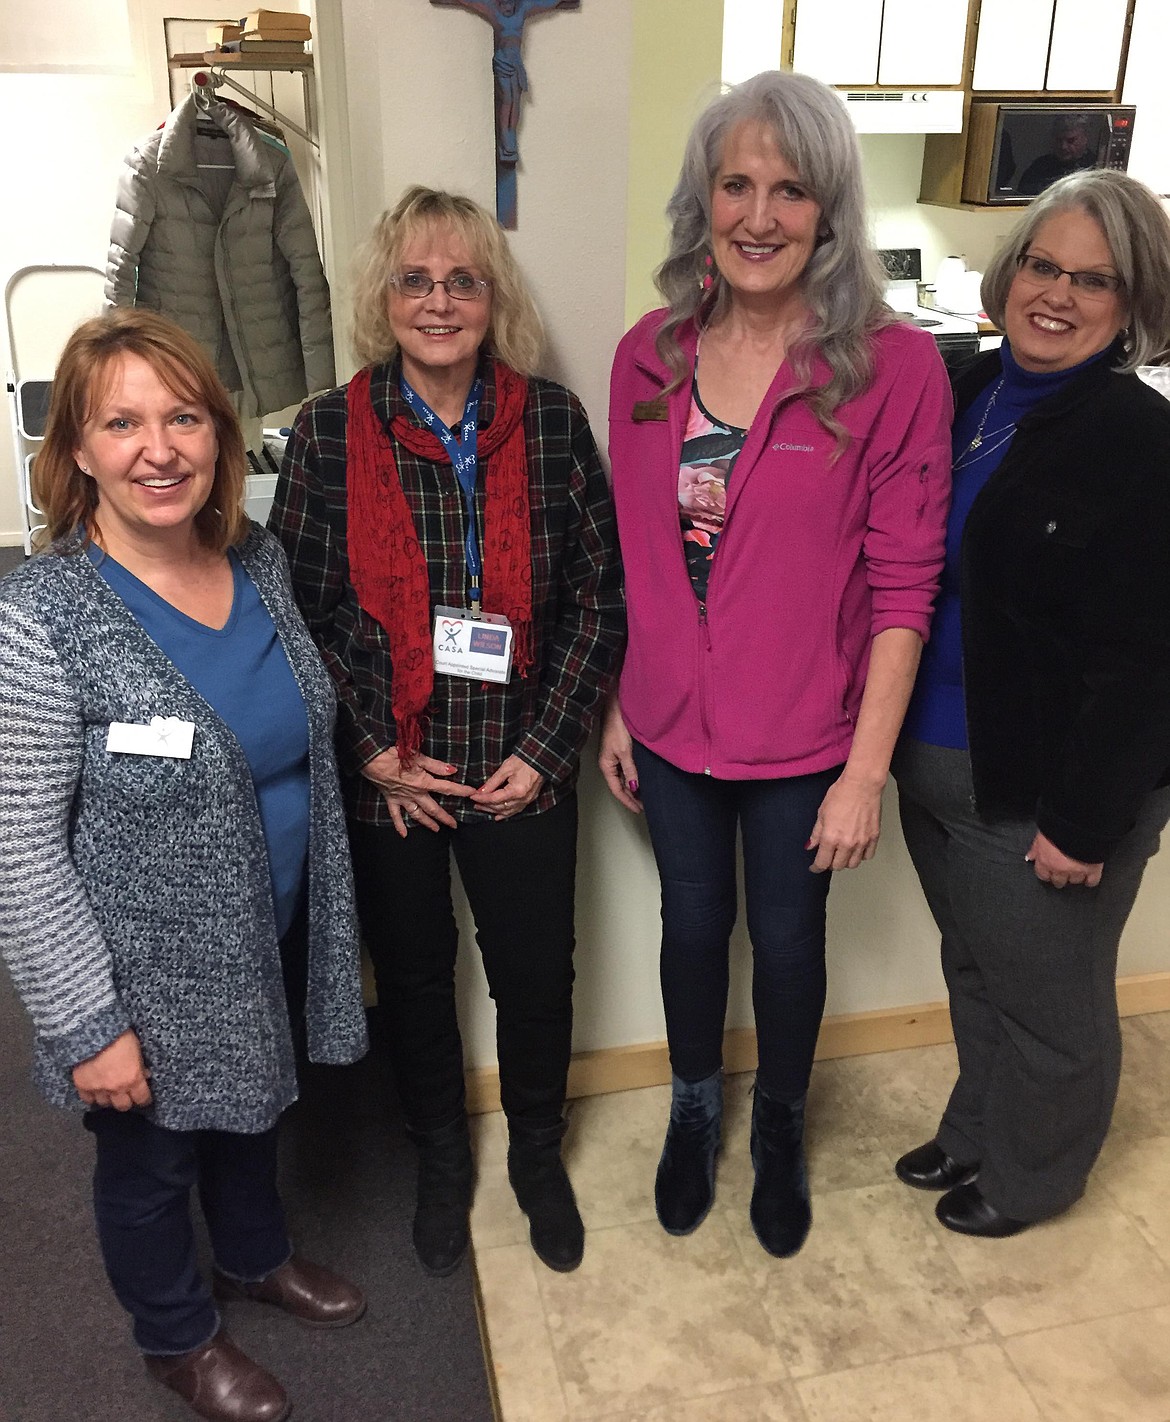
[268,34]
[223,32]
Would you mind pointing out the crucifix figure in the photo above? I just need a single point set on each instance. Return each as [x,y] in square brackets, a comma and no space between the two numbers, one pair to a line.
[507,19]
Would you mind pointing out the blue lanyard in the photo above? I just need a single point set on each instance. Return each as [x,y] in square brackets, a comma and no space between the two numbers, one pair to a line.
[464,459]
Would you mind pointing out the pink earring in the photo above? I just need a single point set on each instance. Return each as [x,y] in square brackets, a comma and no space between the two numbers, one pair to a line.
[708,281]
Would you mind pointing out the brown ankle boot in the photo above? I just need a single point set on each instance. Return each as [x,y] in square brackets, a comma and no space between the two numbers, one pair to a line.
[221,1383]
[308,1292]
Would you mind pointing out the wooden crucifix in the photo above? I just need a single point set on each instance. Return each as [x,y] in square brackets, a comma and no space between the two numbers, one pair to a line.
[507,19]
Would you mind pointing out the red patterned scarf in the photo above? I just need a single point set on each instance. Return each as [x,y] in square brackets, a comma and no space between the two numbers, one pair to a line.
[387,565]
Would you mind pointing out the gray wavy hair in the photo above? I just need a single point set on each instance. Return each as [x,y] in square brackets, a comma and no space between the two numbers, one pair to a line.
[843,283]
[1137,230]
[515,332]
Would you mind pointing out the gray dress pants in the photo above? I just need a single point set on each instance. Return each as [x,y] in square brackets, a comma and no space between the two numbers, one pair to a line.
[1031,974]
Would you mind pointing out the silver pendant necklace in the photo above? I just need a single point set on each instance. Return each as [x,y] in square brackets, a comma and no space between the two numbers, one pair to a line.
[978,440]
[974,450]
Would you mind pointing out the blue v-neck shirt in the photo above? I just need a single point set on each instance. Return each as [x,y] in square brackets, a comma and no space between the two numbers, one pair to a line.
[241,671]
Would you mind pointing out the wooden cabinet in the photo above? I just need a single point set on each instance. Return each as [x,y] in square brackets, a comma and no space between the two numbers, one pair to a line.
[908,44]
[1034,46]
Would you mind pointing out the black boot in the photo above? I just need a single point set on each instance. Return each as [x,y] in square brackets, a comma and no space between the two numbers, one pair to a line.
[545,1195]
[684,1188]
[780,1211]
[444,1196]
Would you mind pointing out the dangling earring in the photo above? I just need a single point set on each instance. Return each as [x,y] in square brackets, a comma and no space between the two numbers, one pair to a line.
[707,281]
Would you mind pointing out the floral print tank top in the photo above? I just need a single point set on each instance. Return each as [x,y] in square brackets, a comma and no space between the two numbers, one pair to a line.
[710,449]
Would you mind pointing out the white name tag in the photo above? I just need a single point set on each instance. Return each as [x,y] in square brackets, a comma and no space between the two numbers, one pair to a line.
[166,735]
[477,646]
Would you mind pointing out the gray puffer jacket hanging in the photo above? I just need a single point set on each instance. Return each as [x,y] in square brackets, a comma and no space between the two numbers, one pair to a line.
[227,251]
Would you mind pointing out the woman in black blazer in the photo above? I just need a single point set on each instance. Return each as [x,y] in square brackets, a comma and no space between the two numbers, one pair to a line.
[1035,758]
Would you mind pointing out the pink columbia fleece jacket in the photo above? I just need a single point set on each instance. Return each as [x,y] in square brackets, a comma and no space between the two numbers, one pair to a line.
[816,557]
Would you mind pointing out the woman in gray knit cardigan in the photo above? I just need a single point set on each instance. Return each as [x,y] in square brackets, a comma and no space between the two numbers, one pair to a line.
[175,888]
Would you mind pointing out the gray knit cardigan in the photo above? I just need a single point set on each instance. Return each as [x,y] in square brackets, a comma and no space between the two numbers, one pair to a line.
[134,890]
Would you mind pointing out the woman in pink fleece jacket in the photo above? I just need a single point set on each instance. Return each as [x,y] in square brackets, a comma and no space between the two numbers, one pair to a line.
[780,446]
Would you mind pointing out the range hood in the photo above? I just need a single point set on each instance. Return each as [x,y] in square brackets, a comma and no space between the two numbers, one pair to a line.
[905,110]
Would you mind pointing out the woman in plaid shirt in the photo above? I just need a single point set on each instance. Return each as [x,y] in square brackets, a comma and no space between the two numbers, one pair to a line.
[446,478]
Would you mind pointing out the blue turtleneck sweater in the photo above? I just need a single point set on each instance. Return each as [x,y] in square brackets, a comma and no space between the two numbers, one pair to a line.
[936,714]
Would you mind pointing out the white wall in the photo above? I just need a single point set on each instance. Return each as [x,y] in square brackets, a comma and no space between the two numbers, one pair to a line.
[66,134]
[422,112]
[892,164]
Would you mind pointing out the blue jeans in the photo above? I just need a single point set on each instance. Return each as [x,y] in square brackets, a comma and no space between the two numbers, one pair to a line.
[142,1182]
[141,1195]
[693,821]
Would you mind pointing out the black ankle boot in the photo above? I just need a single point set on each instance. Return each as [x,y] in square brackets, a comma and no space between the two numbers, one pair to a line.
[684,1188]
[545,1195]
[444,1196]
[780,1211]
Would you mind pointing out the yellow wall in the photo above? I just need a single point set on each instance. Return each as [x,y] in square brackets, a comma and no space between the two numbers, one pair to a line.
[677,52]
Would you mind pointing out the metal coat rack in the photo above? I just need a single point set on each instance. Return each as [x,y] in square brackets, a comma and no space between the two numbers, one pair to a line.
[204,82]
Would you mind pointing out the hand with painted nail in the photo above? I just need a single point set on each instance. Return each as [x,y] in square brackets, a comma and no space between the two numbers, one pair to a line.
[616,757]
[409,793]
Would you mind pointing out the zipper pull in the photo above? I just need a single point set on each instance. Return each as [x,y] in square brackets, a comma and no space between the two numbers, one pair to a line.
[704,624]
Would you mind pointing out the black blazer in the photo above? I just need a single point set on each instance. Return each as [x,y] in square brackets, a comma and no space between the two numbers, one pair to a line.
[1065,586]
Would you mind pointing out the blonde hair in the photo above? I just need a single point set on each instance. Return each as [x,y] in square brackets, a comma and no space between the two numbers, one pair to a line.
[84,373]
[514,333]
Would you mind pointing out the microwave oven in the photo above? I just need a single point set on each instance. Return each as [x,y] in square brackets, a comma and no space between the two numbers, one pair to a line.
[1014,151]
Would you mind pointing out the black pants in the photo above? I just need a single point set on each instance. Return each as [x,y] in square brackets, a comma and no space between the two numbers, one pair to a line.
[1031,974]
[519,878]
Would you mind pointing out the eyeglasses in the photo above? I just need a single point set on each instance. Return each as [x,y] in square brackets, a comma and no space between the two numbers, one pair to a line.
[1044,273]
[461,285]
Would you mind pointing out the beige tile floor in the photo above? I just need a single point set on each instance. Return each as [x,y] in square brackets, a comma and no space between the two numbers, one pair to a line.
[884,1315]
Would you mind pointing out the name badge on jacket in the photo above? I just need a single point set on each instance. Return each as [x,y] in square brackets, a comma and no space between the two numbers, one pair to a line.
[645,410]
[475,645]
[165,736]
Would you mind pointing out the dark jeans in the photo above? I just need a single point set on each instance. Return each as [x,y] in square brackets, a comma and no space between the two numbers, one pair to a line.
[143,1174]
[141,1194]
[519,878]
[693,821]
[1031,974]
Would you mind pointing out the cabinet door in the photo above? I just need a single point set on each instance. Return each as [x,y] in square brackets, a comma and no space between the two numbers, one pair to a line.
[1011,51]
[1086,44]
[923,42]
[838,41]
[1145,87]
[753,38]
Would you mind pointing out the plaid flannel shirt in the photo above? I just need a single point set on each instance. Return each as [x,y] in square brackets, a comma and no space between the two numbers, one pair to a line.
[577,608]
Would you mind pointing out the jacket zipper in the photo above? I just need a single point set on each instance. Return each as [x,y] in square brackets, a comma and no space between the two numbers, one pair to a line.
[239,349]
[704,719]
